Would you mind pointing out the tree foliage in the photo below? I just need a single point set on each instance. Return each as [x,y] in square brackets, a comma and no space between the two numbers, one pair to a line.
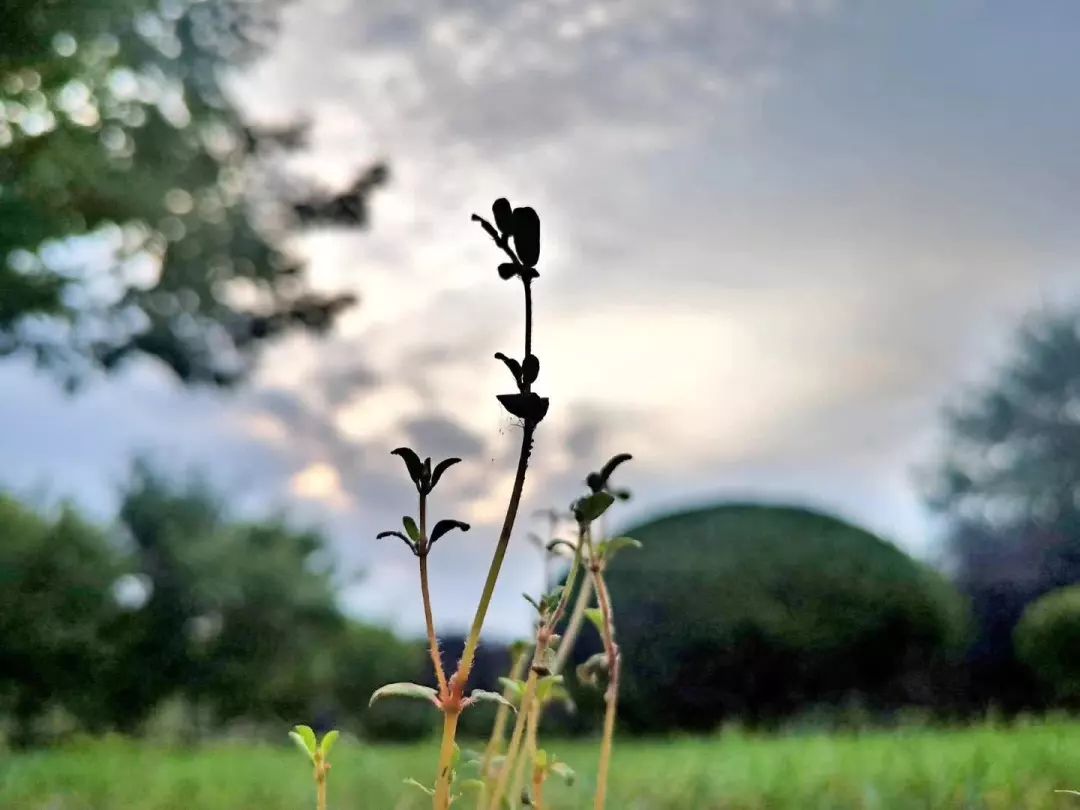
[755,612]
[55,608]
[1008,487]
[181,603]
[140,213]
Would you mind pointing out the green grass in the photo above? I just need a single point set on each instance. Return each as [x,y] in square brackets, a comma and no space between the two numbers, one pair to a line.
[1014,768]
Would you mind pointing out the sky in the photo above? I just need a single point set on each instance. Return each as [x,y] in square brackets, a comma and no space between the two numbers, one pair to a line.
[778,237]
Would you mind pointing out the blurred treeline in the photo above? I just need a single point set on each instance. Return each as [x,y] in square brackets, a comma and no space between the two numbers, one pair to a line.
[178,619]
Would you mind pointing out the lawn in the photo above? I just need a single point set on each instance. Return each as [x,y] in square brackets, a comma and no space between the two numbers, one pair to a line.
[1016,768]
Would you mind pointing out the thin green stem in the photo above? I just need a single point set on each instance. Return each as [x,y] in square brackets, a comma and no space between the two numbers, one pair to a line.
[460,679]
[515,739]
[446,759]
[574,625]
[469,654]
[498,730]
[425,590]
[529,754]
[611,696]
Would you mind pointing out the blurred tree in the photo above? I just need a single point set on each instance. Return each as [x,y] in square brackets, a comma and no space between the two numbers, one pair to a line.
[139,212]
[239,618]
[757,612]
[1008,487]
[56,600]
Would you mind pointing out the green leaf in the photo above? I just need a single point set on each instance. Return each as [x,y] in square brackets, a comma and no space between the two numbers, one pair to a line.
[301,743]
[413,783]
[590,671]
[483,696]
[564,771]
[534,603]
[406,690]
[411,528]
[328,741]
[596,616]
[471,784]
[589,508]
[610,548]
[545,686]
[551,599]
[515,688]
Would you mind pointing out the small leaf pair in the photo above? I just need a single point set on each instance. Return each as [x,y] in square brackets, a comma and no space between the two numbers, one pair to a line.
[304,737]
[529,407]
[413,538]
[416,691]
[525,372]
[423,476]
[523,225]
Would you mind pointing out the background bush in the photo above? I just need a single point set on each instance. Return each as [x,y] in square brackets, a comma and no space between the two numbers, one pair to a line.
[755,612]
[1047,640]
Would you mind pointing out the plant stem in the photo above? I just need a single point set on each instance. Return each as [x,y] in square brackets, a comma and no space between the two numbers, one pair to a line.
[433,641]
[425,590]
[573,627]
[498,730]
[611,696]
[529,754]
[320,786]
[515,739]
[446,758]
[469,654]
[460,678]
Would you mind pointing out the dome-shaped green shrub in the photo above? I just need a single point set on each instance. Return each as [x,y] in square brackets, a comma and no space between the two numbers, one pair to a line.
[1047,639]
[755,612]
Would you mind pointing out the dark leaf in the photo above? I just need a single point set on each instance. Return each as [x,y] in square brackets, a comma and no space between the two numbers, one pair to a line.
[440,468]
[530,407]
[412,462]
[512,364]
[443,526]
[504,215]
[400,536]
[594,482]
[507,270]
[613,462]
[530,368]
[527,235]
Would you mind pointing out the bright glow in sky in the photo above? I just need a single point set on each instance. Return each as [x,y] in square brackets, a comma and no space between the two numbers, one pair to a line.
[778,235]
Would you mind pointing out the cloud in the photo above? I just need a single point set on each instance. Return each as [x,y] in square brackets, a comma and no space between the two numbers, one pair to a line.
[777,233]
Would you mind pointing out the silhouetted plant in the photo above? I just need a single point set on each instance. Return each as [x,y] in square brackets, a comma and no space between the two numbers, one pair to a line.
[517,233]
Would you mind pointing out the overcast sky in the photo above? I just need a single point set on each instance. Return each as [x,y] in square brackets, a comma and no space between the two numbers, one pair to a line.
[778,236]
